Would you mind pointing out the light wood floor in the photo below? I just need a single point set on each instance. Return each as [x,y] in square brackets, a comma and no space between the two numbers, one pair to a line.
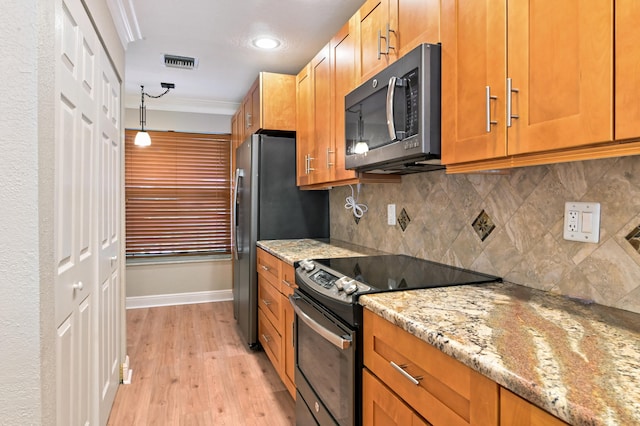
[190,367]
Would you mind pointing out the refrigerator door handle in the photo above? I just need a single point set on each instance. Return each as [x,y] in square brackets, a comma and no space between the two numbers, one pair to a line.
[239,175]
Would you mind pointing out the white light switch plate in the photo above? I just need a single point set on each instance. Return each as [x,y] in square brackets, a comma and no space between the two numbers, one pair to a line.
[391,214]
[581,222]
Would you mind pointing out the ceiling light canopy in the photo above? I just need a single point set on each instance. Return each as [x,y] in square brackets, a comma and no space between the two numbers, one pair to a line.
[266,43]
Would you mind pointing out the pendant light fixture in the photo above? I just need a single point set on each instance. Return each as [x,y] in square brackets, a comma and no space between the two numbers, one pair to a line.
[142,137]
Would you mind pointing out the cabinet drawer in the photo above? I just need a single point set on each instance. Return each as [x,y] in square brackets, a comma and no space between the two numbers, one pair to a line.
[269,301]
[288,280]
[269,267]
[447,392]
[515,411]
[270,339]
[382,407]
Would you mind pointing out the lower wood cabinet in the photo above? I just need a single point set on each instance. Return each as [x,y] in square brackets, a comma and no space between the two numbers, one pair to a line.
[515,411]
[276,281]
[382,407]
[406,381]
[439,388]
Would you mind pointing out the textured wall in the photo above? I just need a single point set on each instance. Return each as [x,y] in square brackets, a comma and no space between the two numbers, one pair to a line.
[20,392]
[527,207]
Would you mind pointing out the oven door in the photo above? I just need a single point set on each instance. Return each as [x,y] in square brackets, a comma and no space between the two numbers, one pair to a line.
[325,364]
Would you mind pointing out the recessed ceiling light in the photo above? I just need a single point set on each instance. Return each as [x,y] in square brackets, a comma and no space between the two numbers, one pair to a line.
[266,43]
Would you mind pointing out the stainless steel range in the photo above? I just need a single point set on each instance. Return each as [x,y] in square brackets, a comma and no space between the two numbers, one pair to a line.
[328,322]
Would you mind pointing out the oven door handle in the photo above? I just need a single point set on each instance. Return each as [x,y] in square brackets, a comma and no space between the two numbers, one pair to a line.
[330,337]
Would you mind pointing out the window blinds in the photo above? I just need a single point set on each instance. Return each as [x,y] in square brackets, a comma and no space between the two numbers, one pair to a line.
[178,194]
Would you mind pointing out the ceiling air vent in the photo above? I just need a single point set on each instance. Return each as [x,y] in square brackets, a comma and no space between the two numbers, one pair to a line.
[184,62]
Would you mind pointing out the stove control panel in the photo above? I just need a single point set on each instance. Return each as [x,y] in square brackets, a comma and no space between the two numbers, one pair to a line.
[329,282]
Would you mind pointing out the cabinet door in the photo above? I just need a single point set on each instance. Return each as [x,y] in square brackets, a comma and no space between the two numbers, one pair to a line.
[321,82]
[380,406]
[372,20]
[304,128]
[343,80]
[627,69]
[414,22]
[473,62]
[515,411]
[288,352]
[560,59]
[277,101]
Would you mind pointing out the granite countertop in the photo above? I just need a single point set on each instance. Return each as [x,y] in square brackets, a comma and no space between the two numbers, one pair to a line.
[580,362]
[294,250]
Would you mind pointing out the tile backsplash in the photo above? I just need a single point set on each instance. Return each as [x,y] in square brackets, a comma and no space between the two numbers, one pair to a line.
[526,208]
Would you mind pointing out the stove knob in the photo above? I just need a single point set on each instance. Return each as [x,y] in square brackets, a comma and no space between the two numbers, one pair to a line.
[351,287]
[307,265]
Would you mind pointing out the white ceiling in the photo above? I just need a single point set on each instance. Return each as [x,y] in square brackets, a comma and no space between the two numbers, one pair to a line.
[219,34]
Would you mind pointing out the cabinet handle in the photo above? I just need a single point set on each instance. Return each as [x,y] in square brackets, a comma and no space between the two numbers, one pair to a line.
[379,43]
[248,120]
[400,368]
[388,39]
[287,283]
[488,98]
[78,286]
[510,90]
[308,167]
[264,267]
[266,338]
[266,302]
[329,152]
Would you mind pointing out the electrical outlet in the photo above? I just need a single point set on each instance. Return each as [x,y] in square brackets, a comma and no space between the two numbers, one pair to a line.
[582,222]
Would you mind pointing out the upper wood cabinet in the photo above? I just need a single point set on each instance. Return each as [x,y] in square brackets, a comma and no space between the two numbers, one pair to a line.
[387,29]
[627,88]
[270,104]
[343,80]
[314,120]
[305,151]
[549,88]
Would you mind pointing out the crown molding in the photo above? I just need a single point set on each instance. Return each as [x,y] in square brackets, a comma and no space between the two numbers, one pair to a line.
[125,20]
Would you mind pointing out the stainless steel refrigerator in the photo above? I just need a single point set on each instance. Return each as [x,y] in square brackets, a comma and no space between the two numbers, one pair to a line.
[268,206]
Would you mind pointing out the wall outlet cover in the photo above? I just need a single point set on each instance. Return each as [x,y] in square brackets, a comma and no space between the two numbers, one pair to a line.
[581,222]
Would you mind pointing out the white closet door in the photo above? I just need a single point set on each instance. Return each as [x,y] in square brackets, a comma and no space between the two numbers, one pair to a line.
[109,172]
[87,205]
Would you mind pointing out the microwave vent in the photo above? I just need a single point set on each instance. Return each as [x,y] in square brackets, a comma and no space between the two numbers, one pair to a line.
[183,62]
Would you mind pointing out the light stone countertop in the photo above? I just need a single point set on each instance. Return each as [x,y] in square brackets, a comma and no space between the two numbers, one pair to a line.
[579,362]
[294,250]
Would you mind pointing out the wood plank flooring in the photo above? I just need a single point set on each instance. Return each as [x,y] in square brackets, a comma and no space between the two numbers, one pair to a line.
[190,367]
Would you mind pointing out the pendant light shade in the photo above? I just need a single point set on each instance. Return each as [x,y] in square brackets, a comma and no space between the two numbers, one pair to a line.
[142,138]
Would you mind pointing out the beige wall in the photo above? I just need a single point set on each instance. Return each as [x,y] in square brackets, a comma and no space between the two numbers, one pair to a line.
[178,121]
[527,207]
[174,278]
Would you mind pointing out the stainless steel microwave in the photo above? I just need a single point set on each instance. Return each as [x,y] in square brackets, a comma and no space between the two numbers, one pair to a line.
[392,121]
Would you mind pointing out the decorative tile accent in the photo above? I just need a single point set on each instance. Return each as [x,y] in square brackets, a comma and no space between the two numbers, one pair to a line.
[634,238]
[403,219]
[483,225]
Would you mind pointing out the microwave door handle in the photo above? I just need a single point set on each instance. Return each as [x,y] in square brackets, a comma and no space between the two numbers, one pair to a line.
[330,337]
[239,175]
[391,91]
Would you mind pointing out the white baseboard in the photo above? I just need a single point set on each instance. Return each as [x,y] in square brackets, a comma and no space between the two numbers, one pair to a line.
[135,302]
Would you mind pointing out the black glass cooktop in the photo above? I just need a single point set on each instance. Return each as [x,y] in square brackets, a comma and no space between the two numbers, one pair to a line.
[401,272]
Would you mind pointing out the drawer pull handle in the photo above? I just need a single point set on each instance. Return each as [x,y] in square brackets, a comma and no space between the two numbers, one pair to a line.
[266,302]
[264,267]
[266,338]
[287,283]
[409,377]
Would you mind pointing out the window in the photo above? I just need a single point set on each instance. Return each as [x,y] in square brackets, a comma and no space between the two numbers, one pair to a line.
[178,195]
